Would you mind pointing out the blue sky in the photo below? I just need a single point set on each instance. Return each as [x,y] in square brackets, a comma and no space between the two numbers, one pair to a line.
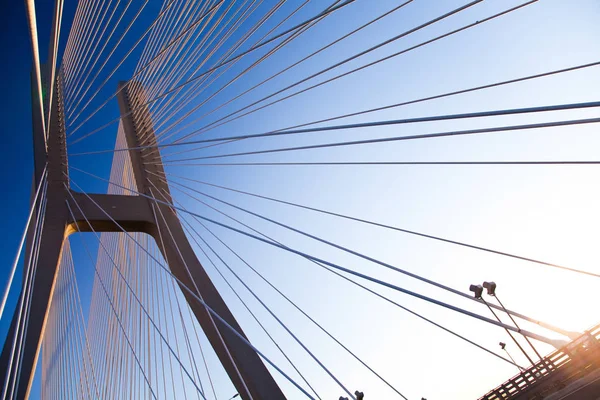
[544,212]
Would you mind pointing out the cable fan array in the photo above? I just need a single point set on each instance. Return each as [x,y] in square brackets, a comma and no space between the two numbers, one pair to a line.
[284,128]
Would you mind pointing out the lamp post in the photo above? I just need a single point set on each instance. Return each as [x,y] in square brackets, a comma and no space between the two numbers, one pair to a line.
[477,292]
[491,290]
[503,347]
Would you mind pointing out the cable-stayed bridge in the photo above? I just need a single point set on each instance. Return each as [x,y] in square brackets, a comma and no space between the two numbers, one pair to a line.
[220,187]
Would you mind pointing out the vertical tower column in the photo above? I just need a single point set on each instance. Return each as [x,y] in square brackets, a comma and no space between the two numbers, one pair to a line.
[49,251]
[245,368]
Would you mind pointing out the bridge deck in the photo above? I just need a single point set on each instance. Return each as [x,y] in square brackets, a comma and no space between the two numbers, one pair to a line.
[573,362]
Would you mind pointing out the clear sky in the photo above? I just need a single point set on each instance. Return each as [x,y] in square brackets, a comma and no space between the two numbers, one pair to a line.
[545,212]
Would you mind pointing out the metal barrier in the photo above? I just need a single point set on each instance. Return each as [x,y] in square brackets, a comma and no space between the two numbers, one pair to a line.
[555,371]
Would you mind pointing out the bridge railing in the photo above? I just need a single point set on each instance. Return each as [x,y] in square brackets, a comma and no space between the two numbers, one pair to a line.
[561,367]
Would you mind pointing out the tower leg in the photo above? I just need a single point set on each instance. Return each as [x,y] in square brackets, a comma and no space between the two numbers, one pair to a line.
[44,279]
[247,371]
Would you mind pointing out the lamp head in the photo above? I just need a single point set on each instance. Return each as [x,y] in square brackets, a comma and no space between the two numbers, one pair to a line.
[491,288]
[477,290]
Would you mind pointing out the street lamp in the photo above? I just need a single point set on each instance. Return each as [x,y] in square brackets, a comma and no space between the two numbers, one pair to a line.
[490,287]
[491,290]
[477,292]
[503,347]
[359,396]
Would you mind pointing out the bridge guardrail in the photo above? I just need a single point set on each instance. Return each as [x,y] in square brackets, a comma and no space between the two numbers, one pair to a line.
[567,364]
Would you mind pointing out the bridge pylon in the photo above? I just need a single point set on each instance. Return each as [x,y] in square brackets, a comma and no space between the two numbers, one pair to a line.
[246,370]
